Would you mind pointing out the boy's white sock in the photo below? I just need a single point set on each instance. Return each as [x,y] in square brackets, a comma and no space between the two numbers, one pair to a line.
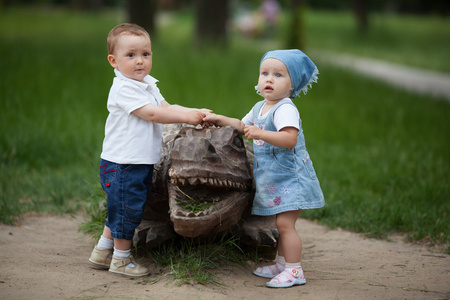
[105,243]
[123,254]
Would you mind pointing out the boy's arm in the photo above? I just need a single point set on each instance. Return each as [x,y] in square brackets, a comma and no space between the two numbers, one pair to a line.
[221,121]
[165,115]
[285,138]
[177,107]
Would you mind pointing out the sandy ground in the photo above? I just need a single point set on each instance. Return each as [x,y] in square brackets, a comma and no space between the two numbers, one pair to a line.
[45,257]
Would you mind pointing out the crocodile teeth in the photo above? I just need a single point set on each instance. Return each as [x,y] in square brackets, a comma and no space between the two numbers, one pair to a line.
[190,214]
[207,181]
[193,181]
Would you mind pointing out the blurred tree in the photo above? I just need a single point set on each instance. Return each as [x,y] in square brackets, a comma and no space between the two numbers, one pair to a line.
[211,22]
[360,10]
[86,4]
[143,13]
[295,39]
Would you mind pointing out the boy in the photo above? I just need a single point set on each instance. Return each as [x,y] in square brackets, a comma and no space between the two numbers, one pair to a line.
[132,144]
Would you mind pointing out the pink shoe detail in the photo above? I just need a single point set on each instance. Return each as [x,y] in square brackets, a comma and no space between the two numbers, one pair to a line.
[287,278]
[269,271]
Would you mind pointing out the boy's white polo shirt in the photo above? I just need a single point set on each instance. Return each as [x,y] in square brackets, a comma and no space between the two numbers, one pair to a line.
[128,138]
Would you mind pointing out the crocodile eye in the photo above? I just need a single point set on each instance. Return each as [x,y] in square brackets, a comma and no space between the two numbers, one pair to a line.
[237,142]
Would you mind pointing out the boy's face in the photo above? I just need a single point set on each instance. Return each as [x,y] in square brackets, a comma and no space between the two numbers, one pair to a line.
[132,56]
[274,81]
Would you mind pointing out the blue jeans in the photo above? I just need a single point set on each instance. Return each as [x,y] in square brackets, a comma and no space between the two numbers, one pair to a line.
[126,188]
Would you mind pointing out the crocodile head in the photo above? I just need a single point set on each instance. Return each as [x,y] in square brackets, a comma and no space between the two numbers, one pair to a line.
[209,180]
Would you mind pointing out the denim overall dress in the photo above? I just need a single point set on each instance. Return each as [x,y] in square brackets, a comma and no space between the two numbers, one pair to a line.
[285,178]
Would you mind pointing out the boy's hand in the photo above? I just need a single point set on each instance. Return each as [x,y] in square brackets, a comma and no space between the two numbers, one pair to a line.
[194,117]
[205,111]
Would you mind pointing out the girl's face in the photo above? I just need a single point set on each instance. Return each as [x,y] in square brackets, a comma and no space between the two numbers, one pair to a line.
[132,56]
[274,81]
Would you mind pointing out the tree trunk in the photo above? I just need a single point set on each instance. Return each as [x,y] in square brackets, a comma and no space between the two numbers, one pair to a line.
[211,26]
[143,13]
[94,5]
[360,9]
[296,39]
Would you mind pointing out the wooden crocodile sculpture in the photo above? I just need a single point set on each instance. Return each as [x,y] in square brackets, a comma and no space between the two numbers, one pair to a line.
[203,188]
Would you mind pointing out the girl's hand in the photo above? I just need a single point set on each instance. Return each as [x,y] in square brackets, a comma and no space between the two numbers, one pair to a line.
[285,138]
[210,119]
[252,132]
[206,123]
[221,121]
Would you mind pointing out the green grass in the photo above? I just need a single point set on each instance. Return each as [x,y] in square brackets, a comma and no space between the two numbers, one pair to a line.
[422,42]
[189,261]
[52,93]
[381,154]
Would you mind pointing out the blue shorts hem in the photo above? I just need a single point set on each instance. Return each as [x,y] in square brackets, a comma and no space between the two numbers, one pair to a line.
[121,236]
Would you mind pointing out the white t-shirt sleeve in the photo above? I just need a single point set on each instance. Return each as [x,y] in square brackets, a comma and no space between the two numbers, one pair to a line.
[131,98]
[248,119]
[286,115]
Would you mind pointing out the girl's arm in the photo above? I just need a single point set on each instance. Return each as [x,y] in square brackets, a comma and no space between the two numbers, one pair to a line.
[221,121]
[165,115]
[285,138]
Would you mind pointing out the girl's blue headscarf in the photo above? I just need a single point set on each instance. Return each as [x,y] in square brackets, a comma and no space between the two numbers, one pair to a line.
[302,70]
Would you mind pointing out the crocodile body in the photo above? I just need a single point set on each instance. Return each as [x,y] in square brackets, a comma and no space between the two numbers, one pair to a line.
[203,187]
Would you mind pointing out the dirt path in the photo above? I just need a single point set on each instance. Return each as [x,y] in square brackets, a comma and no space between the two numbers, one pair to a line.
[412,79]
[45,257]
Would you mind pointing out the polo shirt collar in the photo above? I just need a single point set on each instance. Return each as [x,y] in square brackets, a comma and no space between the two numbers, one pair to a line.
[148,80]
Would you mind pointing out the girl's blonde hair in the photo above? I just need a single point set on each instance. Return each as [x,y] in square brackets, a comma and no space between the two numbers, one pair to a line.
[123,29]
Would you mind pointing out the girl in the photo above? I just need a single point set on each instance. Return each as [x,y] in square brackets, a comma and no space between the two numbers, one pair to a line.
[284,175]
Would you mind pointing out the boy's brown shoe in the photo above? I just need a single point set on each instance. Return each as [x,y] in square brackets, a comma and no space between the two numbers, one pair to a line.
[101,258]
[120,266]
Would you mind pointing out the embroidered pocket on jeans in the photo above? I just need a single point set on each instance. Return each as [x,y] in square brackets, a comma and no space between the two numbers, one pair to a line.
[107,174]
